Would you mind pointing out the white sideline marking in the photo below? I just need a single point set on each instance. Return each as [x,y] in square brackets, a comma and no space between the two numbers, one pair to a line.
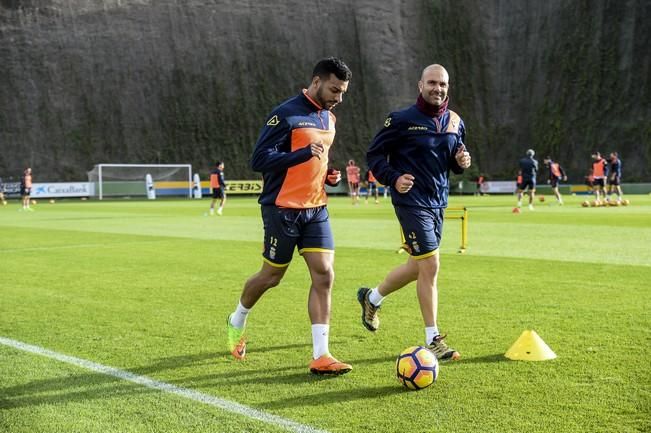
[147,382]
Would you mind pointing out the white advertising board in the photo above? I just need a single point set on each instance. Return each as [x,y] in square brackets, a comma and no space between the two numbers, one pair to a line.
[62,189]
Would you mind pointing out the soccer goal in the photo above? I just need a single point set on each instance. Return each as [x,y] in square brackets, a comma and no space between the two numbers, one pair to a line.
[130,180]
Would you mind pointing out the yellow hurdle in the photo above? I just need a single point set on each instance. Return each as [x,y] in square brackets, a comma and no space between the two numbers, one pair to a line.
[464,225]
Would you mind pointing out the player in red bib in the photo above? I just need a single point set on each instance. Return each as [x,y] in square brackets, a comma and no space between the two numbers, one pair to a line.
[599,175]
[352,175]
[218,187]
[26,188]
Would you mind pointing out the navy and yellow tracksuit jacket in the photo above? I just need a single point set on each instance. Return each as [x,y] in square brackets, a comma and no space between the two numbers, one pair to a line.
[293,178]
[413,142]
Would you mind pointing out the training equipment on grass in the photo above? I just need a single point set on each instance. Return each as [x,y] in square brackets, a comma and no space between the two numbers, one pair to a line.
[417,368]
[541,198]
[530,347]
[460,213]
[585,204]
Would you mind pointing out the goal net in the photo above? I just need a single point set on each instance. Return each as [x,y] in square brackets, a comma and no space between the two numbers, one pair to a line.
[130,180]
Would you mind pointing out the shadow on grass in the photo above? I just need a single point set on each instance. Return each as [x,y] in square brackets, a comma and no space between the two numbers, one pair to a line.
[497,357]
[174,362]
[333,397]
[97,386]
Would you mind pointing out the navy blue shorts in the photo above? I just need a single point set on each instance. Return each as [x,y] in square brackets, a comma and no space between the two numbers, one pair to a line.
[599,182]
[527,183]
[422,229]
[285,229]
[615,180]
[218,193]
[554,181]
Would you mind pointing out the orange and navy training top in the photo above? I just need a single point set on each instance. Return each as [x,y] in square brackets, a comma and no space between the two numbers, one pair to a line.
[217,179]
[600,168]
[352,174]
[555,170]
[26,180]
[292,177]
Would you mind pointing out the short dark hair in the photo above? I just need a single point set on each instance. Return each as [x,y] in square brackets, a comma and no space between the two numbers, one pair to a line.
[332,65]
[218,163]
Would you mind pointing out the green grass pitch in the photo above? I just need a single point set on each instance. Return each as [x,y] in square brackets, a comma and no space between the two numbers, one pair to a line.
[146,287]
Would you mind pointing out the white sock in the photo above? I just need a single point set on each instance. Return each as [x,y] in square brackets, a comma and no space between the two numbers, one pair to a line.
[238,318]
[375,297]
[320,340]
[430,333]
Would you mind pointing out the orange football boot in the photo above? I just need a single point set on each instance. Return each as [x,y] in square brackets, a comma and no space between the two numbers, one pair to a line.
[328,365]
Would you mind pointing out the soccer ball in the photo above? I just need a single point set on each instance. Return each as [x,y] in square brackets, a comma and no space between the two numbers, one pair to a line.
[626,202]
[541,198]
[585,204]
[417,367]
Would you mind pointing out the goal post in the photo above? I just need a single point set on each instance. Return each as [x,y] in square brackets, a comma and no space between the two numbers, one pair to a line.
[122,180]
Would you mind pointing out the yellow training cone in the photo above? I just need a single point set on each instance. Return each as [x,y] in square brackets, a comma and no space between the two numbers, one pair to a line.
[530,347]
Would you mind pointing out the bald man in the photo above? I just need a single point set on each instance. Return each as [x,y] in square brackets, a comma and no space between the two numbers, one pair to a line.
[414,153]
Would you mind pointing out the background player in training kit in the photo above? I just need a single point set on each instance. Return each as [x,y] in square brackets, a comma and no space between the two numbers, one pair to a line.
[556,174]
[599,175]
[615,176]
[218,187]
[371,186]
[26,188]
[352,176]
[292,154]
[527,177]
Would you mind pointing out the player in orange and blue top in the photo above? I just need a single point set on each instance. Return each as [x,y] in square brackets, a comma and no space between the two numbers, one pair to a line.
[371,186]
[615,176]
[218,187]
[292,154]
[556,174]
[599,175]
[414,154]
